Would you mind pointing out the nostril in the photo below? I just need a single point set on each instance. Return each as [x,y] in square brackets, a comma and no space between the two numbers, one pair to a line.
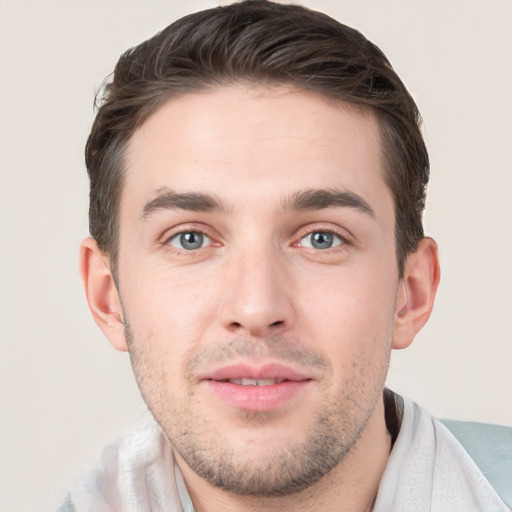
[276,324]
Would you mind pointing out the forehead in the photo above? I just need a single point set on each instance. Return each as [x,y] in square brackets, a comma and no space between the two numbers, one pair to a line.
[270,139]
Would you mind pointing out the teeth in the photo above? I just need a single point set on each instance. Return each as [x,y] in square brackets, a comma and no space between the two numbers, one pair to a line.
[255,382]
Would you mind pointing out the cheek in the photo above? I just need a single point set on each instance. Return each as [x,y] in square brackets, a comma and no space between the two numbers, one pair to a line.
[352,318]
[351,300]
[157,356]
[168,316]
[174,301]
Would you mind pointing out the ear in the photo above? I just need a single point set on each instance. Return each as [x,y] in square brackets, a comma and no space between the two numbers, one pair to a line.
[416,294]
[101,292]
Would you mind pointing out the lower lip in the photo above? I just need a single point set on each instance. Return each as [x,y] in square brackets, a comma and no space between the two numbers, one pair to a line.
[257,398]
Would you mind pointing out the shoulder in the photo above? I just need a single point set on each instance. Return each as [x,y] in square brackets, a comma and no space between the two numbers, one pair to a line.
[429,467]
[490,447]
[135,472]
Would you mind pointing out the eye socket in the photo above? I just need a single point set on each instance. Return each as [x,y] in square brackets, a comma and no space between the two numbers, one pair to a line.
[321,240]
[190,240]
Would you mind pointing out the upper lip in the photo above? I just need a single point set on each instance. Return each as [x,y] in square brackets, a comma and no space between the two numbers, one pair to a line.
[267,371]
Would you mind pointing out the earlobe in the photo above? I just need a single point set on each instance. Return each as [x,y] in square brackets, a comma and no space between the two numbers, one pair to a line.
[101,292]
[415,298]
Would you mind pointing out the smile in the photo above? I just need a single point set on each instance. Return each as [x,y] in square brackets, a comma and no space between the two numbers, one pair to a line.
[249,388]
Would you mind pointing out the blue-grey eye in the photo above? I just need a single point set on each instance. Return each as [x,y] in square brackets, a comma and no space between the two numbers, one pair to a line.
[190,240]
[321,240]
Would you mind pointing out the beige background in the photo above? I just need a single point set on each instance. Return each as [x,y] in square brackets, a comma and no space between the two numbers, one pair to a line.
[63,391]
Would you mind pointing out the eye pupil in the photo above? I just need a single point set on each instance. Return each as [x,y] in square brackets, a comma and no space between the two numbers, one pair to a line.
[191,240]
[321,240]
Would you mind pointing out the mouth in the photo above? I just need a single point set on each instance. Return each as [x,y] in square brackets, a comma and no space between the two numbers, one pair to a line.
[256,389]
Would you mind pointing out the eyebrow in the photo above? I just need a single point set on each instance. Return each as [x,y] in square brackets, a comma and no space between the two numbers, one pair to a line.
[303,200]
[318,199]
[192,201]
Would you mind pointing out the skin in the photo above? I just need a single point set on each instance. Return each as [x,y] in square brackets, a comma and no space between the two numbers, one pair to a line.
[257,291]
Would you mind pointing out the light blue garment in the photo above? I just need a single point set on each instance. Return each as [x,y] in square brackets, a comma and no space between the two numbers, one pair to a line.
[490,446]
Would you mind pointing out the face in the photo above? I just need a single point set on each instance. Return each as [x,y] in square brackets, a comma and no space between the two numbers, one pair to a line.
[258,281]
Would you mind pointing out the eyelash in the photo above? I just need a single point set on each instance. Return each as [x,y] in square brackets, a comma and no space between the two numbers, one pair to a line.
[167,239]
[303,233]
[343,237]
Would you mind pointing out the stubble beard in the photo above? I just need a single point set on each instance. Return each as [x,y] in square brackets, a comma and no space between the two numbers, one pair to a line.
[336,427]
[282,472]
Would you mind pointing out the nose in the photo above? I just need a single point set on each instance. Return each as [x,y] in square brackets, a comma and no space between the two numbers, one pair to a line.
[257,294]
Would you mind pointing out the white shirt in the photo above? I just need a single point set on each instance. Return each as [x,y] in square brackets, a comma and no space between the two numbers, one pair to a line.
[428,471]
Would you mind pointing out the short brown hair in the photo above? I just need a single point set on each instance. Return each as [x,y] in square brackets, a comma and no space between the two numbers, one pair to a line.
[261,42]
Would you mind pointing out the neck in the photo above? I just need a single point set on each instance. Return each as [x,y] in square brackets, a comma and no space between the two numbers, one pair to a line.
[351,486]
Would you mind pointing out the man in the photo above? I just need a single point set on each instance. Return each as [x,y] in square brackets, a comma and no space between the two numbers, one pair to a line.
[258,180]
